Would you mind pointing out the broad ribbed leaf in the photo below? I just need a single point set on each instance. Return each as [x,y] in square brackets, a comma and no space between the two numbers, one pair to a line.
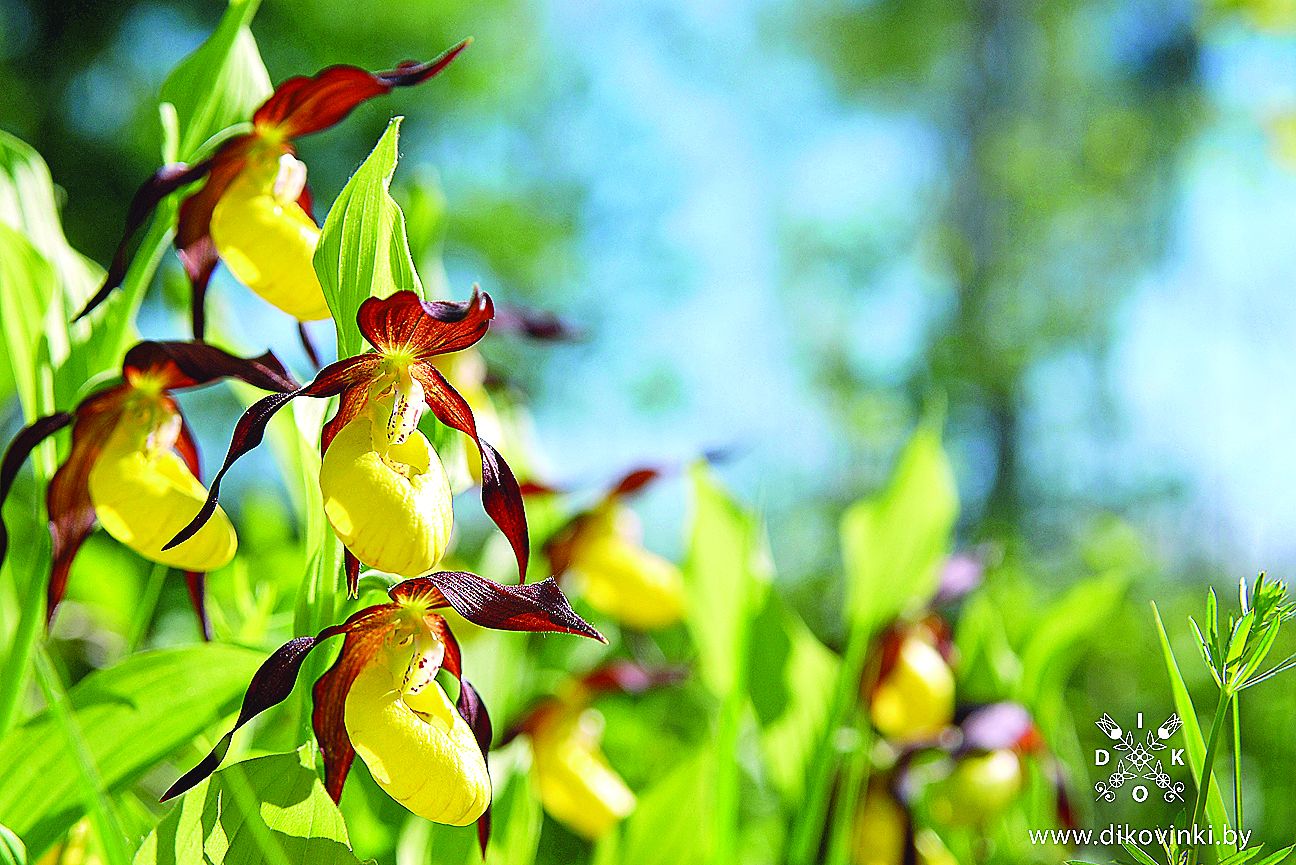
[24,279]
[268,810]
[363,249]
[893,543]
[134,715]
[218,85]
[28,206]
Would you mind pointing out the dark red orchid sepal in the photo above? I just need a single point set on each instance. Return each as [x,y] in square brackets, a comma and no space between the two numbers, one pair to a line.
[405,331]
[158,368]
[537,607]
[299,106]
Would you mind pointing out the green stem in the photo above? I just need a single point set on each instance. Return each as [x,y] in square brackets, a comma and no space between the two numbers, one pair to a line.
[147,607]
[807,833]
[1212,747]
[1237,763]
[96,799]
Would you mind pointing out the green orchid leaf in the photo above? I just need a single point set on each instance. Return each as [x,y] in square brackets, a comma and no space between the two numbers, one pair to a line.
[12,849]
[792,678]
[217,86]
[132,716]
[1194,742]
[364,248]
[271,810]
[24,276]
[893,543]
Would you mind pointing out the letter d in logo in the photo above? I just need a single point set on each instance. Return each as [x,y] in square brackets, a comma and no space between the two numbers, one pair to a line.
[1102,756]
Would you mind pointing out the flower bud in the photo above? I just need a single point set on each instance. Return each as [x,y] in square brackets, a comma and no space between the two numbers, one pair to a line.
[623,580]
[914,700]
[143,494]
[389,503]
[981,787]
[418,748]
[268,241]
[577,786]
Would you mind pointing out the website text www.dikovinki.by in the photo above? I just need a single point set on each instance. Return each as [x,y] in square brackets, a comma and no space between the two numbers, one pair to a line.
[1117,834]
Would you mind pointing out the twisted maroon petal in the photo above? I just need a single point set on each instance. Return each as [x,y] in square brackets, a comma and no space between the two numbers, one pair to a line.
[365,634]
[302,105]
[164,181]
[501,495]
[16,454]
[250,430]
[535,607]
[473,710]
[189,364]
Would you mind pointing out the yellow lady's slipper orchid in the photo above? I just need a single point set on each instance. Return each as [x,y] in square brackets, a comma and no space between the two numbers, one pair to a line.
[133,465]
[619,577]
[252,207]
[381,699]
[268,241]
[143,494]
[389,503]
[385,489]
[914,699]
[577,786]
[417,746]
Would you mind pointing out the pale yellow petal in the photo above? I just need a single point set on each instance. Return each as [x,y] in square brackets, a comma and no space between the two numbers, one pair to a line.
[268,244]
[577,786]
[418,748]
[144,497]
[394,512]
[916,699]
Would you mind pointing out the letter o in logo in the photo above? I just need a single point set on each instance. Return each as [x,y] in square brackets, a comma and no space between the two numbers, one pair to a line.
[1140,793]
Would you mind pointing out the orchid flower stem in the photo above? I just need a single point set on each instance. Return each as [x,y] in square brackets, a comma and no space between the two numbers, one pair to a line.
[1208,764]
[808,832]
[1237,763]
[98,804]
[147,607]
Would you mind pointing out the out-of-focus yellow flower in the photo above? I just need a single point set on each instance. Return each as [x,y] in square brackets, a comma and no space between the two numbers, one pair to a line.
[143,494]
[577,786]
[267,240]
[982,786]
[913,700]
[388,500]
[619,577]
[417,746]
[881,831]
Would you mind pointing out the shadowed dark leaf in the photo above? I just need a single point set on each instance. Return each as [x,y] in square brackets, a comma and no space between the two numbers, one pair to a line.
[196,585]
